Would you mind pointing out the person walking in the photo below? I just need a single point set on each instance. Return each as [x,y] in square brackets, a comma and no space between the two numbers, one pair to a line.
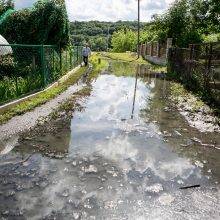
[86,51]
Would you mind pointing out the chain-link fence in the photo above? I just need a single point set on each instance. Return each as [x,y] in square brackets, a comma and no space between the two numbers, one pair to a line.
[198,67]
[25,69]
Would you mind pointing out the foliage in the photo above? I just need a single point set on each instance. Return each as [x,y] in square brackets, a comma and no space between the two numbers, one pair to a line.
[98,33]
[188,21]
[126,40]
[46,23]
[7,88]
[11,87]
[212,17]
[180,22]
[5,5]
[211,38]
[7,66]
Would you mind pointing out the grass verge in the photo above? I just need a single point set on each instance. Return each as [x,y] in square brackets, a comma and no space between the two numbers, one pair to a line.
[183,97]
[97,67]
[131,57]
[128,57]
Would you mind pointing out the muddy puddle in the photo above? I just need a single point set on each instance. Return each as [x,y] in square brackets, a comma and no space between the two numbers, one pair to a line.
[124,154]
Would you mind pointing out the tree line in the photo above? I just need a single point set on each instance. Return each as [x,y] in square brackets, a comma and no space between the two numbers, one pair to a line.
[98,34]
[188,22]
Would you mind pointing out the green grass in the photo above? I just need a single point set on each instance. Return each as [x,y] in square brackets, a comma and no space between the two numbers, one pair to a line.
[129,57]
[179,92]
[70,104]
[41,98]
[97,67]
[132,57]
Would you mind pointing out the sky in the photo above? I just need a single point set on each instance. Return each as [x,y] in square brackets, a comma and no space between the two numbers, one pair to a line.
[108,10]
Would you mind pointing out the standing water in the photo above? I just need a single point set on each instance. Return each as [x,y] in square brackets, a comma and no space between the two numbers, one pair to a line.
[124,155]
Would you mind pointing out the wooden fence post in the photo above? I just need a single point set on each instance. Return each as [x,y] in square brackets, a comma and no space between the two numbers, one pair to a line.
[151,48]
[158,49]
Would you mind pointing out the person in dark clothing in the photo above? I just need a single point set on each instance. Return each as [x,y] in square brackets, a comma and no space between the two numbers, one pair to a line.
[86,51]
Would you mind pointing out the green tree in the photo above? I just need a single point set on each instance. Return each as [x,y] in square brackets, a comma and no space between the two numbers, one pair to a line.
[5,5]
[81,31]
[124,40]
[101,43]
[212,18]
[180,23]
[46,23]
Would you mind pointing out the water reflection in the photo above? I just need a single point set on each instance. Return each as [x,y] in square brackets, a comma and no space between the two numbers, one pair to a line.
[122,69]
[142,139]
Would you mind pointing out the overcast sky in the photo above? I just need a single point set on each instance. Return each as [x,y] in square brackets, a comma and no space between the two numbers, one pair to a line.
[107,10]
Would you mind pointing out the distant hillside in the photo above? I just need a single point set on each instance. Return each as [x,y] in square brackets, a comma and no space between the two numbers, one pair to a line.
[96,32]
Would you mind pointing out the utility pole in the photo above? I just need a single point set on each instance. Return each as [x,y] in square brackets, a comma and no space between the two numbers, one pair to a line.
[107,39]
[138,47]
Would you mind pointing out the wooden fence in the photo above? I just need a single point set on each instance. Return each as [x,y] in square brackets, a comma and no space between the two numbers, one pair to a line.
[198,67]
[155,51]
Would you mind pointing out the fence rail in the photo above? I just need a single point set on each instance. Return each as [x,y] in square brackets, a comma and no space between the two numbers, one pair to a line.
[198,67]
[25,69]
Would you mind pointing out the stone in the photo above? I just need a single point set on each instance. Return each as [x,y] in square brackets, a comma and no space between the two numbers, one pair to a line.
[91,169]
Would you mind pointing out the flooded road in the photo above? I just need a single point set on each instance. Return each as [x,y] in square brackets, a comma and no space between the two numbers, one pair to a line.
[124,154]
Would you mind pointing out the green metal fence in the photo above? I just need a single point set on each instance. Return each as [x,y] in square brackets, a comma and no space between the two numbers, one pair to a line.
[25,69]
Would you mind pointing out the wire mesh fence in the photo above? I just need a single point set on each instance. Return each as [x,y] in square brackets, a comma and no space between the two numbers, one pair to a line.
[25,69]
[198,67]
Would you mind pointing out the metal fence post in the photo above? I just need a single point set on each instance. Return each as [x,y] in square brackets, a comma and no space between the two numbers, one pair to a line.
[67,60]
[16,79]
[53,60]
[43,66]
[208,70]
[77,55]
[71,57]
[60,51]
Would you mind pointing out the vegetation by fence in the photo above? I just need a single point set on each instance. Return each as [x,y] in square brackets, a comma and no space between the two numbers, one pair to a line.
[198,67]
[25,69]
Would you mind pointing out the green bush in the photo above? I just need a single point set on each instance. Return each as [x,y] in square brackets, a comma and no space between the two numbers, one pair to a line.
[46,23]
[7,66]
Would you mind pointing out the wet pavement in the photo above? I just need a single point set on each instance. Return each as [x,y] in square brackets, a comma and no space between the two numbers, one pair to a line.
[124,154]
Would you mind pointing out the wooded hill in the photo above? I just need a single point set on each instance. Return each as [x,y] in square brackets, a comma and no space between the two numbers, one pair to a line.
[96,32]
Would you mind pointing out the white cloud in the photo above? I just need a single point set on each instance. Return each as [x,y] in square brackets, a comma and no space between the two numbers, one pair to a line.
[155,5]
[114,10]
[19,4]
[107,10]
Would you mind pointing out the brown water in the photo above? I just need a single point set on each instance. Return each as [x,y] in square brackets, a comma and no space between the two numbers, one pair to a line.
[125,155]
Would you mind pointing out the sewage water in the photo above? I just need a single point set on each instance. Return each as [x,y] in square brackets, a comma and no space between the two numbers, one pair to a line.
[124,155]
